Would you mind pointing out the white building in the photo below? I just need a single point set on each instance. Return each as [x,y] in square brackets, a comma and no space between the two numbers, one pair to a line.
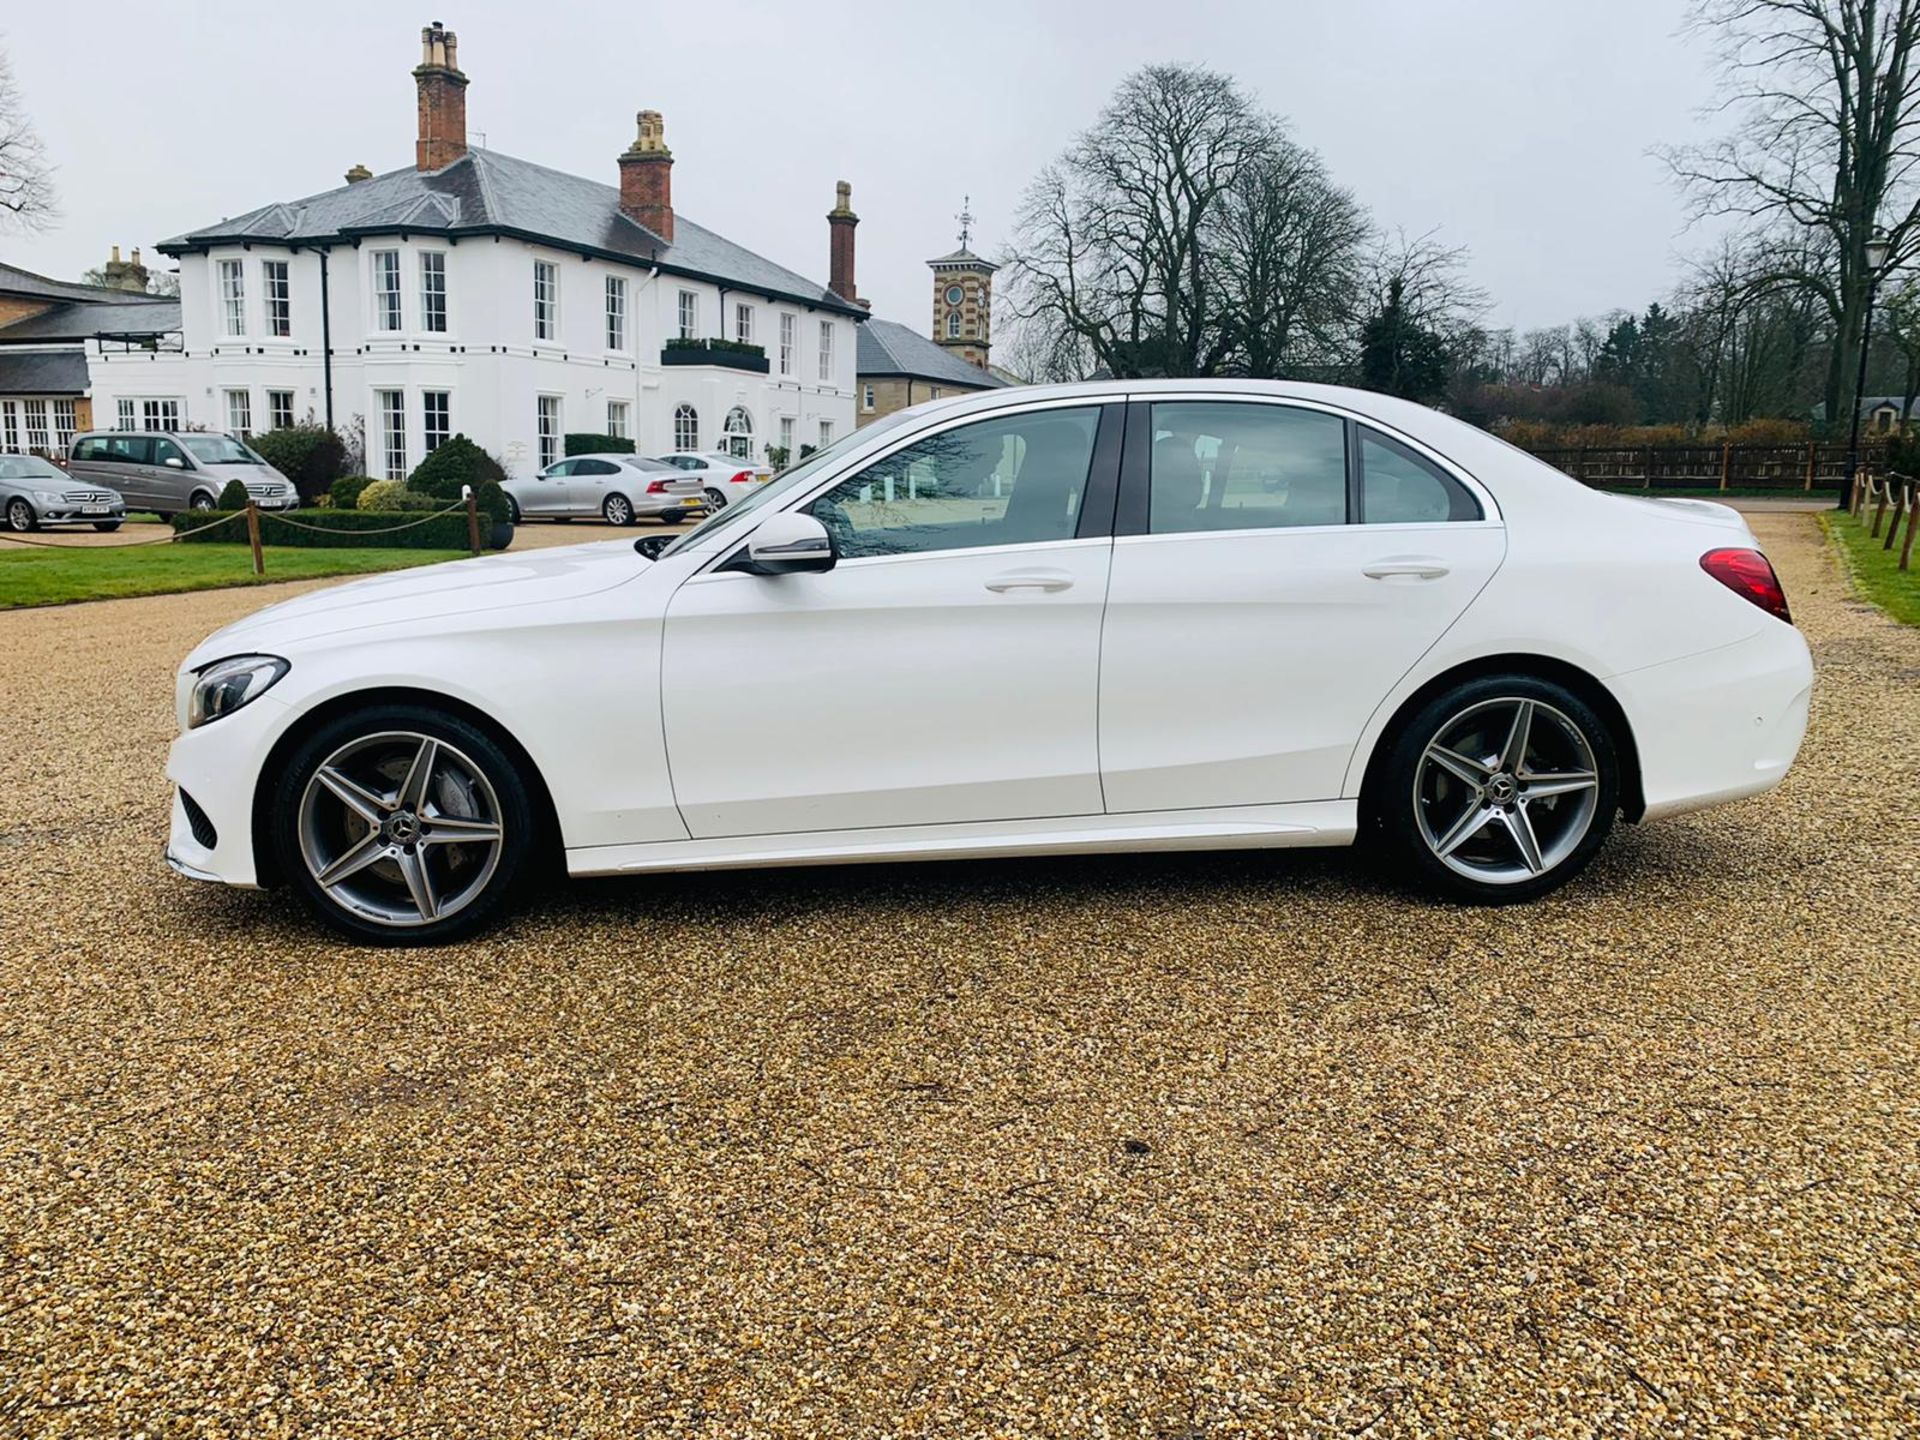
[480,294]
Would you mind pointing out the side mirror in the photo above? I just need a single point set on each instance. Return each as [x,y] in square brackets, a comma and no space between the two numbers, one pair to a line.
[787,544]
[174,462]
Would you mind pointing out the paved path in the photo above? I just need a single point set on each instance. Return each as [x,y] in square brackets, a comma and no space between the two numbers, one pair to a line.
[1184,1145]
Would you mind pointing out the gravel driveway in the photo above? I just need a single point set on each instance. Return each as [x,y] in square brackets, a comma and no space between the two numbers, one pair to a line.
[1177,1146]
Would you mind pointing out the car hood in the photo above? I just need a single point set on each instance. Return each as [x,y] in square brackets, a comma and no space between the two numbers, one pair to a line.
[417,599]
[244,470]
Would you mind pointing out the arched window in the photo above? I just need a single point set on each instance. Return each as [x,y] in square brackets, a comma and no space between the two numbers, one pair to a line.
[739,433]
[953,324]
[686,428]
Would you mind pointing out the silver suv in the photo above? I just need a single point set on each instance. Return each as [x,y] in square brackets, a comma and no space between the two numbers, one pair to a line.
[177,470]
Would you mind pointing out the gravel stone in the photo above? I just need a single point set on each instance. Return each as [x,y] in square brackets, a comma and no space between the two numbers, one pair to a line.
[1155,1146]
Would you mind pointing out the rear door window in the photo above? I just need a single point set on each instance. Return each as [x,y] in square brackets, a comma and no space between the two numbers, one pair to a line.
[1227,465]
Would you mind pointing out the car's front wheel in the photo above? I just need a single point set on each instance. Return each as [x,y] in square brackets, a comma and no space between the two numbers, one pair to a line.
[20,516]
[201,501]
[513,511]
[402,825]
[106,527]
[1498,790]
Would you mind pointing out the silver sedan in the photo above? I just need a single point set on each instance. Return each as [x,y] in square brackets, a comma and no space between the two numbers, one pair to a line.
[616,488]
[36,492]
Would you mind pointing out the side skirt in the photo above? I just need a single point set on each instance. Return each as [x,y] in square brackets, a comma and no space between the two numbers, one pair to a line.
[1318,822]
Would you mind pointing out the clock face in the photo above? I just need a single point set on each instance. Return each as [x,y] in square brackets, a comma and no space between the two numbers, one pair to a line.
[955,294]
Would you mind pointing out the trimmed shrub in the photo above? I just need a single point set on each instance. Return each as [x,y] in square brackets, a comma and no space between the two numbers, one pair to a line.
[311,456]
[345,492]
[337,529]
[380,495]
[777,457]
[580,442]
[233,496]
[456,463]
[492,501]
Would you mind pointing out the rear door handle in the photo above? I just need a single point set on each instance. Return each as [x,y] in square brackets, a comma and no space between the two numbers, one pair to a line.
[1409,567]
[1047,580]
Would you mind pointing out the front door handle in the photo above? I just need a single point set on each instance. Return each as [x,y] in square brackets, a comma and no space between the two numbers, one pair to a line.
[1047,580]
[1408,567]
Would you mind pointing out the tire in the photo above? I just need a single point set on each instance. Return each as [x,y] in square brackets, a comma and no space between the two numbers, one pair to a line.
[106,527]
[201,501]
[1471,824]
[318,828]
[671,517]
[513,511]
[717,499]
[616,509]
[20,517]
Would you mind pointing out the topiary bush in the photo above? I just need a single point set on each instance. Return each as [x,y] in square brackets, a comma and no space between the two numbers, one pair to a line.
[492,501]
[233,496]
[456,463]
[311,456]
[380,495]
[580,442]
[344,493]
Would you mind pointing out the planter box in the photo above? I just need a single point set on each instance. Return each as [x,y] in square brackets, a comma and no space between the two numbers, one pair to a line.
[726,359]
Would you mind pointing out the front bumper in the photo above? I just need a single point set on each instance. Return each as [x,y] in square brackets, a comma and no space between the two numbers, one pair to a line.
[73,515]
[1720,726]
[219,765]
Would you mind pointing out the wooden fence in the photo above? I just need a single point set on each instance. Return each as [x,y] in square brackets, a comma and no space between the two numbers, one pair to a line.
[1899,492]
[1812,466]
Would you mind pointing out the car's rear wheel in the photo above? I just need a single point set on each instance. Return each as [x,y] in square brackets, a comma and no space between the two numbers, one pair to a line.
[717,499]
[402,825]
[1498,790]
[617,510]
[20,516]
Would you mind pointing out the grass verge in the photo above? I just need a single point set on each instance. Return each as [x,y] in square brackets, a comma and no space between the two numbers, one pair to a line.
[1876,573]
[61,577]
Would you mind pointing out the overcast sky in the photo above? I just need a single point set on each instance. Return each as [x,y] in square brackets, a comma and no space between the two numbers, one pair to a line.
[1519,128]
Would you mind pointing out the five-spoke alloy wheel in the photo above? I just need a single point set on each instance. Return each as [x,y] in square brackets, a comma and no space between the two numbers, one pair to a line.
[1499,789]
[402,825]
[20,516]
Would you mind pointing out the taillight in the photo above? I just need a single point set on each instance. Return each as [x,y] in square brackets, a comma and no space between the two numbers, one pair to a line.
[1747,574]
[741,478]
[656,487]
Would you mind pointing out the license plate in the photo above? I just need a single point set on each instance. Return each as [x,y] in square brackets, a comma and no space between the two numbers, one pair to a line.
[94,509]
[694,500]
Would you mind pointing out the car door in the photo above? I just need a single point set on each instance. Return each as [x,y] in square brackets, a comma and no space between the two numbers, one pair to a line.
[119,461]
[551,490]
[1278,568]
[592,482]
[171,476]
[945,670]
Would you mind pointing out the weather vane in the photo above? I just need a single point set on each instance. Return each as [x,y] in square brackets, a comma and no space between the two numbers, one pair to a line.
[965,217]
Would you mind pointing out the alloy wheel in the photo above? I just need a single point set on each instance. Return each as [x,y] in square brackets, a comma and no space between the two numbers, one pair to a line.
[400,828]
[716,498]
[200,501]
[19,515]
[1506,790]
[617,510]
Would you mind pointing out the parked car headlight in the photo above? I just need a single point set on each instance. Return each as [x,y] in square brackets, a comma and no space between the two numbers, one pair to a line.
[226,685]
[48,497]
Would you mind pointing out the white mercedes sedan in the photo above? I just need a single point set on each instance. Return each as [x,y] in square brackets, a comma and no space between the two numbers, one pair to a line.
[1169,615]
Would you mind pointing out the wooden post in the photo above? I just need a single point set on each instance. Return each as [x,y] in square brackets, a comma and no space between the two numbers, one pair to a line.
[1879,514]
[473,522]
[1647,481]
[1897,490]
[1726,460]
[1913,518]
[253,538]
[1809,484]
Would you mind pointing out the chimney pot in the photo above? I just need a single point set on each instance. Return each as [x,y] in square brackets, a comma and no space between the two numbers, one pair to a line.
[357,174]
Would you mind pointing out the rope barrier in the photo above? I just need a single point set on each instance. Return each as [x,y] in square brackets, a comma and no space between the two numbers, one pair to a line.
[167,539]
[458,505]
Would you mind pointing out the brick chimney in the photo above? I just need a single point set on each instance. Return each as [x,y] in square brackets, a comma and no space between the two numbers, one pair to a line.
[443,100]
[646,177]
[840,223]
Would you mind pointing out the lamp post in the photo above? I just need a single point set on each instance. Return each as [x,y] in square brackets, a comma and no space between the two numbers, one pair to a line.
[1876,249]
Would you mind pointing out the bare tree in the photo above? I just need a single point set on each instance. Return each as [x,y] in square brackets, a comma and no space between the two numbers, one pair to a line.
[26,180]
[1825,138]
[1113,241]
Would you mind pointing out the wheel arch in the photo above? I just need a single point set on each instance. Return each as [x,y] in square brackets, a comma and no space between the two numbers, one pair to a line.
[265,867]
[1633,802]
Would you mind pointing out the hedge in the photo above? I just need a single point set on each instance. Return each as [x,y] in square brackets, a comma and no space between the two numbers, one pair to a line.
[335,529]
[580,442]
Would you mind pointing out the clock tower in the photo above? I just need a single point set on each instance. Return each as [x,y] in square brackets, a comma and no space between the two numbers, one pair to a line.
[963,299]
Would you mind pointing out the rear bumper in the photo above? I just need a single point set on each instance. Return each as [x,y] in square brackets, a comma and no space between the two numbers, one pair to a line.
[1720,726]
[669,505]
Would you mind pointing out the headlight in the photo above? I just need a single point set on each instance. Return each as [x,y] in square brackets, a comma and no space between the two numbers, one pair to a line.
[226,685]
[47,497]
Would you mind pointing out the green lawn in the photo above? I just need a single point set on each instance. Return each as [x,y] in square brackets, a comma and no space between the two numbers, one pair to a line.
[1876,572]
[59,577]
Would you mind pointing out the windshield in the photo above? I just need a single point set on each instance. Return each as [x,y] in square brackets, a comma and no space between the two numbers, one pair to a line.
[786,482]
[219,450]
[28,467]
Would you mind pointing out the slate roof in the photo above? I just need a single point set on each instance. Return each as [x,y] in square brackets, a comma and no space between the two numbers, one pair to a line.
[15,281]
[84,320]
[487,193]
[964,256]
[43,372]
[887,348]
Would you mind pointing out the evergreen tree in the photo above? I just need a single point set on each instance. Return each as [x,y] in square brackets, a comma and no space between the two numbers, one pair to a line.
[1399,356]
